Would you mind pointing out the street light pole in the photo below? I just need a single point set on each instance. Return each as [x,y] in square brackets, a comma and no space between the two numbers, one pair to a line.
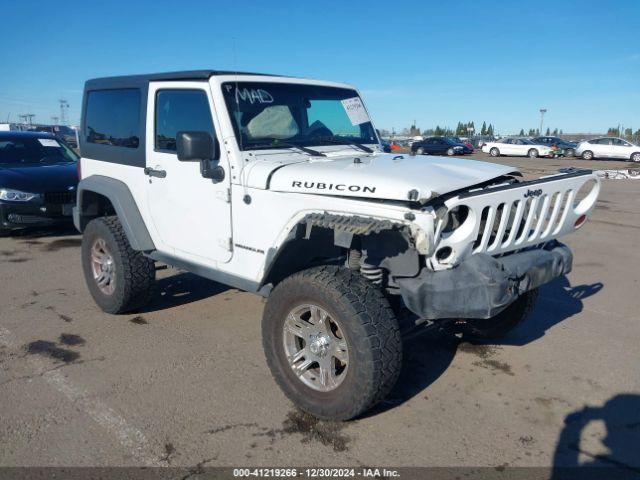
[542,112]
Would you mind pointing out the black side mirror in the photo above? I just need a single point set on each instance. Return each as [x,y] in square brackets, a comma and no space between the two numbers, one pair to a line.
[194,146]
[199,146]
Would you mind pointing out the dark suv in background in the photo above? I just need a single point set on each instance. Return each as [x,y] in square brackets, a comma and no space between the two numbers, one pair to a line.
[440,146]
[568,147]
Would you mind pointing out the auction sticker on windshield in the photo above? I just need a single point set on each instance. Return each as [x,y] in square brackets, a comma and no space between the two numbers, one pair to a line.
[48,142]
[355,110]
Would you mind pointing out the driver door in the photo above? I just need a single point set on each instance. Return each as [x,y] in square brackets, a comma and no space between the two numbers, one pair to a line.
[191,214]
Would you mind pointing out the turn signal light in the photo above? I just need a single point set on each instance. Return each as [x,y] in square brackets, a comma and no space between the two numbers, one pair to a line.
[580,221]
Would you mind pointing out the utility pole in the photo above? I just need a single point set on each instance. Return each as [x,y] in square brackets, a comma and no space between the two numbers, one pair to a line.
[542,112]
[64,107]
[27,118]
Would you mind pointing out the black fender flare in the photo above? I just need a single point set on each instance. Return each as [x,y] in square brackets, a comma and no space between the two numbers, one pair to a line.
[123,203]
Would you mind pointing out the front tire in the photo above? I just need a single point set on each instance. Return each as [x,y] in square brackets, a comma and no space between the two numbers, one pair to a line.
[498,326]
[533,153]
[570,152]
[587,155]
[494,152]
[635,157]
[332,342]
[450,152]
[119,278]
[420,151]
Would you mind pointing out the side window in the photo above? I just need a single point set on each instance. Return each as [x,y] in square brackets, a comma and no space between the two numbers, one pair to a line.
[112,117]
[178,110]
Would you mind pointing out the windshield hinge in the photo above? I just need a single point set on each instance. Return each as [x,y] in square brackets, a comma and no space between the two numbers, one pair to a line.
[225,243]
[224,195]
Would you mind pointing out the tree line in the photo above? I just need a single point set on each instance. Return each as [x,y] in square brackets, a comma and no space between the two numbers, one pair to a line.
[626,133]
[463,129]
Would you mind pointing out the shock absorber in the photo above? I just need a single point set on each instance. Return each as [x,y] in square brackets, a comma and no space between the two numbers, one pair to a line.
[353,259]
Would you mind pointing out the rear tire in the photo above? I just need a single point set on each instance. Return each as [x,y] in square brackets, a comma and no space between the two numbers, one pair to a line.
[420,151]
[498,326]
[494,152]
[450,152]
[533,153]
[570,152]
[119,278]
[368,336]
[587,155]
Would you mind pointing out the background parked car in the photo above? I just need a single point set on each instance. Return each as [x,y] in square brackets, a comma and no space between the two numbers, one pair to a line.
[38,180]
[385,145]
[569,148]
[518,147]
[608,147]
[67,134]
[466,143]
[439,146]
[479,140]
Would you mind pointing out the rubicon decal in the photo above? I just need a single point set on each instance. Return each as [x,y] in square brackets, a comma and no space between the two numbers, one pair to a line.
[336,187]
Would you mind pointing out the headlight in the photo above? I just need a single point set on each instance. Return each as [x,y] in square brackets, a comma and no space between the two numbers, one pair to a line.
[16,196]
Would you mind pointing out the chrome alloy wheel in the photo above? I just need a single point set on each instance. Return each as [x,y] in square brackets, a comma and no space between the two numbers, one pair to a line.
[315,347]
[103,267]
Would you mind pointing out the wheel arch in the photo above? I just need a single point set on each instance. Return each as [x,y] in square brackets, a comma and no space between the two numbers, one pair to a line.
[100,196]
[323,238]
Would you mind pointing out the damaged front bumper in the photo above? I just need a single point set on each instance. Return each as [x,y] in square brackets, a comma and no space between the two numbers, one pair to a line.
[482,286]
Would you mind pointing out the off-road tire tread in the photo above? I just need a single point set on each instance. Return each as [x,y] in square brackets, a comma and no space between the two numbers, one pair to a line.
[383,339]
[138,271]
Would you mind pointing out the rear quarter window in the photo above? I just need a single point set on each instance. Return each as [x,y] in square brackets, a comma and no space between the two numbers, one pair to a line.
[112,117]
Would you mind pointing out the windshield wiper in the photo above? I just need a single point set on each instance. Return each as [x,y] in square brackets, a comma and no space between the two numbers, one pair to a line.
[339,141]
[278,144]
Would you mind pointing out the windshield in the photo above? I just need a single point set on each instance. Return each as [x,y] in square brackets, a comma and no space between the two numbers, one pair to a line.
[18,151]
[267,114]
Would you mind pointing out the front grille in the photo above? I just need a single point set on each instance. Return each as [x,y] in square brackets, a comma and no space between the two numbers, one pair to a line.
[502,219]
[523,220]
[60,198]
[27,219]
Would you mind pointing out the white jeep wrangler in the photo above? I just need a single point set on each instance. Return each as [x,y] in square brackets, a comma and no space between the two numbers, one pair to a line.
[278,186]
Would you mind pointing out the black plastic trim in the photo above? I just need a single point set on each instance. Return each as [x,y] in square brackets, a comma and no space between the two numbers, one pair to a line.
[123,203]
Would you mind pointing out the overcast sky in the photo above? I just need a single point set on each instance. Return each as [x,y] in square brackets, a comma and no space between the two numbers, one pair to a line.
[499,61]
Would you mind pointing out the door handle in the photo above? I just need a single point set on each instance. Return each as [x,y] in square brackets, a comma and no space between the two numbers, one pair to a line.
[155,173]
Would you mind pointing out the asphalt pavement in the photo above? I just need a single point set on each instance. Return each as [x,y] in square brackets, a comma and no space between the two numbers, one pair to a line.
[185,382]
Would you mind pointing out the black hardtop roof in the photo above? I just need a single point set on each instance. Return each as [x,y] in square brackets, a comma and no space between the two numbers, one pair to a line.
[137,80]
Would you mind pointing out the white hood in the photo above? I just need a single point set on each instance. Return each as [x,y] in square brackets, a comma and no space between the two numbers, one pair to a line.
[381,176]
